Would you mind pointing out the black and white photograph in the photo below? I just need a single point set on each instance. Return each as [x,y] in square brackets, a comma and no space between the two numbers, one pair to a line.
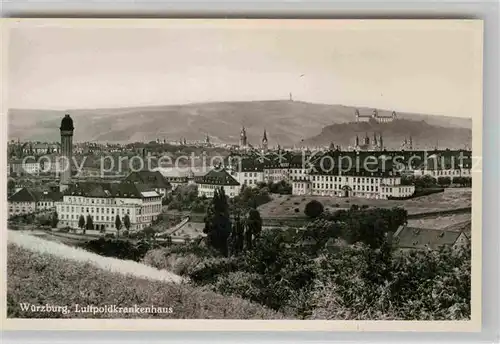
[227,169]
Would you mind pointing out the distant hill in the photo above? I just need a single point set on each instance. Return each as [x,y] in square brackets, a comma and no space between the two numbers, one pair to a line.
[423,134]
[286,122]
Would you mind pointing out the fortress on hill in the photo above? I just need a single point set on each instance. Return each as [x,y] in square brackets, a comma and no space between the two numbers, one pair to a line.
[375,117]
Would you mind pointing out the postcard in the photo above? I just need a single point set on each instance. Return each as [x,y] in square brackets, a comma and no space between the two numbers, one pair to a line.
[242,174]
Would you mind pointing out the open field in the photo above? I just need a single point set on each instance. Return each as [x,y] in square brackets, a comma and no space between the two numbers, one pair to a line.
[285,205]
[441,222]
[38,278]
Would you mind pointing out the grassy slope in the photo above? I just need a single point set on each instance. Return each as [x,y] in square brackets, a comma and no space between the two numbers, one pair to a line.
[286,122]
[41,278]
[40,245]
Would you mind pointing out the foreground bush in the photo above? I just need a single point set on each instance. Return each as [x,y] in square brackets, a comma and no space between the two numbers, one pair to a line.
[363,284]
[178,263]
[41,279]
[122,249]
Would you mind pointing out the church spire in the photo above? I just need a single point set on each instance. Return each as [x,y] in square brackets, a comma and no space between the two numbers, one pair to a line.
[264,141]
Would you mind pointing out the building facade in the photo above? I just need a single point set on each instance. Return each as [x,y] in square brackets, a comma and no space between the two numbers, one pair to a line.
[29,201]
[374,185]
[22,167]
[216,179]
[103,202]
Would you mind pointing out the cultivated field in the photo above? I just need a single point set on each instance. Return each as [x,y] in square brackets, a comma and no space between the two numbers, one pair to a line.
[285,205]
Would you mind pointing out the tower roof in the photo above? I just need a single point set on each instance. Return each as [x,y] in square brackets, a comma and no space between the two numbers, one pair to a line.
[67,123]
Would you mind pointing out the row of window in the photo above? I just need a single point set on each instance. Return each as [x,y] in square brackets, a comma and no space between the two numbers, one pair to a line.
[45,204]
[68,209]
[213,187]
[339,186]
[449,173]
[96,217]
[363,180]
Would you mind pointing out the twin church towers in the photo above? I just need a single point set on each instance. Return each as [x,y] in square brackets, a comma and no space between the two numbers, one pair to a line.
[244,141]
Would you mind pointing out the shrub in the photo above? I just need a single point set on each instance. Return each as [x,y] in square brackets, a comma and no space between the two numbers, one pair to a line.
[180,264]
[239,283]
[122,249]
[209,269]
[313,209]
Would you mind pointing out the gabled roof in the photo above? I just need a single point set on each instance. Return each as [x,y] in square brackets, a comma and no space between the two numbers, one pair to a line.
[421,238]
[32,195]
[24,195]
[217,177]
[109,190]
[152,178]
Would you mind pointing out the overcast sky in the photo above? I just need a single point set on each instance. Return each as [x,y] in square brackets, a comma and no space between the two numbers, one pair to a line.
[428,67]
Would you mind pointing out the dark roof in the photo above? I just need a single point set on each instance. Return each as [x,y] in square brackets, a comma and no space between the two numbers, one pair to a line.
[108,190]
[67,123]
[31,195]
[152,178]
[218,177]
[23,195]
[421,238]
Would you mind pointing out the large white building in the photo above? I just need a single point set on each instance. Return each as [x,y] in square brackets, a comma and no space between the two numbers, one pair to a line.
[367,185]
[104,201]
[216,179]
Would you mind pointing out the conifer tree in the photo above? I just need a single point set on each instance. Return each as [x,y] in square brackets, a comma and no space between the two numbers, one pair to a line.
[218,223]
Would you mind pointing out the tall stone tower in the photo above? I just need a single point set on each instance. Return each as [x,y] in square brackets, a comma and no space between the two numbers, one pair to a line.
[243,138]
[264,142]
[66,151]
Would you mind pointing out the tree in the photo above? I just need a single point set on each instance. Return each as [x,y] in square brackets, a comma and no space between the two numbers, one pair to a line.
[254,223]
[218,223]
[236,241]
[126,221]
[313,209]
[425,182]
[81,222]
[11,186]
[54,220]
[118,225]
[444,181]
[90,223]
